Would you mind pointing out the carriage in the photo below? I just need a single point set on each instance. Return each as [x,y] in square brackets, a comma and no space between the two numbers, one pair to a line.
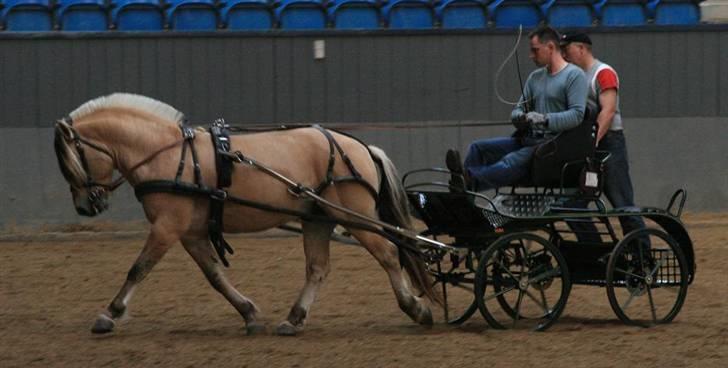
[515,255]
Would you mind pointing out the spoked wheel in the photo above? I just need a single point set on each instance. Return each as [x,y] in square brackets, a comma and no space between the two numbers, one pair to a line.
[454,276]
[647,278]
[522,282]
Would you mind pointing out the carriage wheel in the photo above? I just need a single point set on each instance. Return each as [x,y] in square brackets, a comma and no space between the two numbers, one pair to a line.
[647,278]
[454,276]
[522,282]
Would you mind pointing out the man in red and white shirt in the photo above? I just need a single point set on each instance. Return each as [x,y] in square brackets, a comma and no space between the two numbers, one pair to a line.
[603,97]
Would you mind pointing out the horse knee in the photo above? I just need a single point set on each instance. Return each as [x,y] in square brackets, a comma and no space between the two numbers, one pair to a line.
[317,273]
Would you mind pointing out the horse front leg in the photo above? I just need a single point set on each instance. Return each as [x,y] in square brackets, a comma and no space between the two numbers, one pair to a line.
[316,239]
[158,243]
[202,252]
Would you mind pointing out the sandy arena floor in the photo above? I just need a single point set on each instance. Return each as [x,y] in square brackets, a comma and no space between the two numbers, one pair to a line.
[51,289]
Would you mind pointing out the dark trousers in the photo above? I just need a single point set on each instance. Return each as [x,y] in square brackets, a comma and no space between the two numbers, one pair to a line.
[617,186]
[497,162]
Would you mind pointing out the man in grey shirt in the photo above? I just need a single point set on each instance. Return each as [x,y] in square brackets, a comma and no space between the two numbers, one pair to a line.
[553,100]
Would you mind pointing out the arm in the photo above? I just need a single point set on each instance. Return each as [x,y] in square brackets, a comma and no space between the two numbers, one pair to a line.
[608,83]
[576,92]
[608,102]
[522,107]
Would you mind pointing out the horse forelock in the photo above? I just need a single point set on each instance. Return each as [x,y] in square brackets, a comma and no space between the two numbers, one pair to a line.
[129,101]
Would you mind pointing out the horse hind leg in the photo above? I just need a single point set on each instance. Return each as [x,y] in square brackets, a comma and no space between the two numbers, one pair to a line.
[387,255]
[158,243]
[202,253]
[316,239]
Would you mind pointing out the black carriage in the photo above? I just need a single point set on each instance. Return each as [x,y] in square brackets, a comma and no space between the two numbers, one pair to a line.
[515,255]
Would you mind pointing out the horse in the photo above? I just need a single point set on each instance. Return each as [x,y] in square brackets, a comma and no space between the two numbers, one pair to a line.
[141,139]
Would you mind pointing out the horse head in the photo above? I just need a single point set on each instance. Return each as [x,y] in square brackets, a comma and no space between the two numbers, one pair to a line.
[87,167]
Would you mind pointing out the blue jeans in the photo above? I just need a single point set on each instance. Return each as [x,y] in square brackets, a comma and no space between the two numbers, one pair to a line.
[497,162]
[617,186]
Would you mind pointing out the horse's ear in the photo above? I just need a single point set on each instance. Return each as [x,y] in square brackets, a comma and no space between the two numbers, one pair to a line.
[63,128]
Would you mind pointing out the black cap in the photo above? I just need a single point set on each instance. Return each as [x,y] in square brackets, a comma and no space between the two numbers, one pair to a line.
[568,38]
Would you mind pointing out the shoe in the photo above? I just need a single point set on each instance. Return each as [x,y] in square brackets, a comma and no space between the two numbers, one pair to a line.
[457,174]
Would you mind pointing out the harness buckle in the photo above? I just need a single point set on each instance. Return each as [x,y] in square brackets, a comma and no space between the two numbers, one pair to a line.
[220,122]
[298,189]
[188,133]
[219,195]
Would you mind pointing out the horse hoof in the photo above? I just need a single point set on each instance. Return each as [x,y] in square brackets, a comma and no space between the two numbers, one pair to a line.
[255,329]
[287,329]
[103,325]
[426,318]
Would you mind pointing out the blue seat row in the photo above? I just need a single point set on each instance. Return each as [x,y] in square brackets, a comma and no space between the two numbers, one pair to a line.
[585,13]
[149,15]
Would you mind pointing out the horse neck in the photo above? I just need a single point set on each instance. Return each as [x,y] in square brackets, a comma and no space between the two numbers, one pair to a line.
[131,136]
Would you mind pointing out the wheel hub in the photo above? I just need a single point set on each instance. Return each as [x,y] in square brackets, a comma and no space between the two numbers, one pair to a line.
[523,284]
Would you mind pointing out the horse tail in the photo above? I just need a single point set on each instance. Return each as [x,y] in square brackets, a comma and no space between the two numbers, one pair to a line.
[393,208]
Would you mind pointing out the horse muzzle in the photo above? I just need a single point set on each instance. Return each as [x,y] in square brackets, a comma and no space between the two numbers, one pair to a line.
[96,202]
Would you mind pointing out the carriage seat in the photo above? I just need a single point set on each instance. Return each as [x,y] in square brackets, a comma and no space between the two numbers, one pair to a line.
[564,156]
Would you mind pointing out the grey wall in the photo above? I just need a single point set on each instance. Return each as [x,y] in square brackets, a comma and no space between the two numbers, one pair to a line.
[674,98]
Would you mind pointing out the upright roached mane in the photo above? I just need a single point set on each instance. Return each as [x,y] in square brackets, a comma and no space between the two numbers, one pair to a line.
[130,101]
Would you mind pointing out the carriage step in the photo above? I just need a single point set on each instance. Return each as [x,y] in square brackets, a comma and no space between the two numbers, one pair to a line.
[524,205]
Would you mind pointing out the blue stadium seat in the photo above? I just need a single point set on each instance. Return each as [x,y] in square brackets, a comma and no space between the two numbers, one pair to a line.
[301,14]
[616,13]
[462,14]
[192,15]
[247,14]
[570,13]
[409,14]
[82,15]
[27,15]
[675,12]
[354,14]
[137,15]
[512,13]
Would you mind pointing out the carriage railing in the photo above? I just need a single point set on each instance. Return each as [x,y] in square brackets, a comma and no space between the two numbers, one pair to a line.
[537,201]
[683,196]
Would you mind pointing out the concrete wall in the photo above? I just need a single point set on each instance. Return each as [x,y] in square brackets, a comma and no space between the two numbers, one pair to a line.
[674,99]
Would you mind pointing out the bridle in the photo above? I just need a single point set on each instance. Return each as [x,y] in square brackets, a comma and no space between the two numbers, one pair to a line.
[97,190]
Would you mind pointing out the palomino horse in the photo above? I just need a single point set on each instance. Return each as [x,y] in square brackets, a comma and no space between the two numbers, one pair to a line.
[141,138]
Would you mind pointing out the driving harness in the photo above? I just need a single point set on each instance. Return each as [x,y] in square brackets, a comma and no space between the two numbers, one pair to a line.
[224,164]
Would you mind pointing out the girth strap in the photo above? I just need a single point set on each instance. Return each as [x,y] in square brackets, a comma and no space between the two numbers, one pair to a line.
[221,141]
[218,196]
[224,167]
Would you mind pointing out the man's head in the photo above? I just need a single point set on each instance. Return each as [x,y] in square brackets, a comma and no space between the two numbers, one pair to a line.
[544,45]
[577,48]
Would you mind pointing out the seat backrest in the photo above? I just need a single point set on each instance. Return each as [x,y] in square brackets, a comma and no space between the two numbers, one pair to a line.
[569,146]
